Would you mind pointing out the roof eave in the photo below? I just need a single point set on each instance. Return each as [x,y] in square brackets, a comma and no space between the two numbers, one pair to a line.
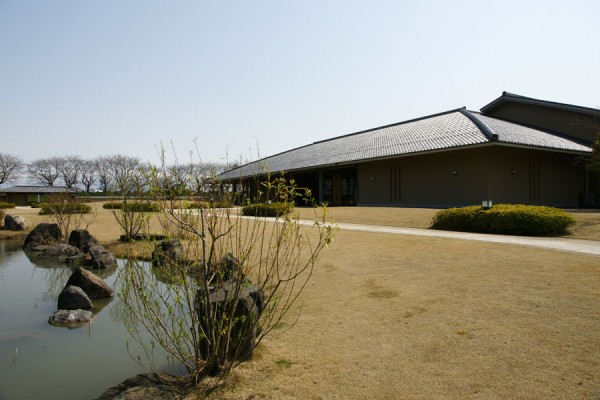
[418,153]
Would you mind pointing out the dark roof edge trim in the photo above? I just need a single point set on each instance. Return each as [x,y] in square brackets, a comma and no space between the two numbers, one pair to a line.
[482,127]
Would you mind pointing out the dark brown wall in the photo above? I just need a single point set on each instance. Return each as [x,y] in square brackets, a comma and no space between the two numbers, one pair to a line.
[19,199]
[465,177]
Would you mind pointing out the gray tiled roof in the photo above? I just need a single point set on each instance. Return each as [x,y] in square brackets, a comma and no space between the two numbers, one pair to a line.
[36,189]
[521,135]
[452,129]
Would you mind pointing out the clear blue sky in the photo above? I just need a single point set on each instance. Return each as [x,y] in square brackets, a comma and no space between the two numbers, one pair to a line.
[97,77]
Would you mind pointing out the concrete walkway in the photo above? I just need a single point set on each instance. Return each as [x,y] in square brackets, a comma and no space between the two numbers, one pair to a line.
[591,247]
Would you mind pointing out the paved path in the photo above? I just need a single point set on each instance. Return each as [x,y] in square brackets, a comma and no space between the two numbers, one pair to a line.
[591,247]
[561,244]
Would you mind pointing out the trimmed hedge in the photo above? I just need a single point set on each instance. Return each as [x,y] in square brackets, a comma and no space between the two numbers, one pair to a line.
[506,219]
[64,208]
[207,204]
[267,210]
[134,206]
[4,205]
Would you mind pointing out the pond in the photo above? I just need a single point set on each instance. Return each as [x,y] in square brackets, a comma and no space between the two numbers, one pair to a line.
[38,360]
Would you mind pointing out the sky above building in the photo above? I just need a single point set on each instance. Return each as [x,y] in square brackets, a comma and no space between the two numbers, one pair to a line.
[240,80]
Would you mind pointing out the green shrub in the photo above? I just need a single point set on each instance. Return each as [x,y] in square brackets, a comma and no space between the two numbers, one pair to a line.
[136,206]
[64,208]
[207,204]
[267,210]
[506,219]
[7,205]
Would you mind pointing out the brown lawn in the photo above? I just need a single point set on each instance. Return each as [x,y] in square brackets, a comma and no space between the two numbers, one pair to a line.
[405,317]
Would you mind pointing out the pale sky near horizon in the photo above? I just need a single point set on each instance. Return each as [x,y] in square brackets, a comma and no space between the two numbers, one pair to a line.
[93,77]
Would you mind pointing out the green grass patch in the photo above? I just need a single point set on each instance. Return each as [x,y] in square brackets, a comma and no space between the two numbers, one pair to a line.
[505,219]
[282,362]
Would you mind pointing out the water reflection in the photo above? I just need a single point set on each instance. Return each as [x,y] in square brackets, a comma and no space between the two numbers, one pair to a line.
[8,249]
[96,355]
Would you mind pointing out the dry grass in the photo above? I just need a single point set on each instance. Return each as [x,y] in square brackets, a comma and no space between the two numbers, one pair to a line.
[391,316]
[394,317]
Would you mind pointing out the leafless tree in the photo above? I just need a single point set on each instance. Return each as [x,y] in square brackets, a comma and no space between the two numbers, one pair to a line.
[44,170]
[69,168]
[201,176]
[88,174]
[9,164]
[102,166]
[124,171]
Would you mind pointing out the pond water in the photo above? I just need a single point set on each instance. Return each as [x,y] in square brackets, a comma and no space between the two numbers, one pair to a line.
[39,361]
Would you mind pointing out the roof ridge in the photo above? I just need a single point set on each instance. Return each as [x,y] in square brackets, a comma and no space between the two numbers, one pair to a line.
[481,125]
[390,125]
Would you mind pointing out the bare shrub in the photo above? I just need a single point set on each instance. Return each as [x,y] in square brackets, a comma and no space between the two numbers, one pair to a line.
[226,255]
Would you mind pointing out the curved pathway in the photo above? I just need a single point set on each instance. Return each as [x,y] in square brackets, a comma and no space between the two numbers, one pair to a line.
[591,247]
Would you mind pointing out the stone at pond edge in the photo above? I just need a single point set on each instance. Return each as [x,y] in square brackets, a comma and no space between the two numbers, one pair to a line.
[72,298]
[101,258]
[230,267]
[244,312]
[70,318]
[91,284]
[60,252]
[42,234]
[143,387]
[14,223]
[167,252]
[82,239]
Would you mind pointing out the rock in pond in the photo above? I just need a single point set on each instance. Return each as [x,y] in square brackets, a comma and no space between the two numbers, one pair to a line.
[82,239]
[167,252]
[101,258]
[70,318]
[72,298]
[91,284]
[59,252]
[42,234]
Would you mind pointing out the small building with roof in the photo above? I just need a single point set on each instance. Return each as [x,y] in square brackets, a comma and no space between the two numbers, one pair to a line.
[516,150]
[25,195]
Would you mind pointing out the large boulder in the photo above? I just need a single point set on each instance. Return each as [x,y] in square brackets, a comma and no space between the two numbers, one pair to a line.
[167,252]
[243,302]
[59,252]
[101,258]
[14,223]
[42,234]
[70,318]
[230,268]
[82,239]
[72,298]
[92,285]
